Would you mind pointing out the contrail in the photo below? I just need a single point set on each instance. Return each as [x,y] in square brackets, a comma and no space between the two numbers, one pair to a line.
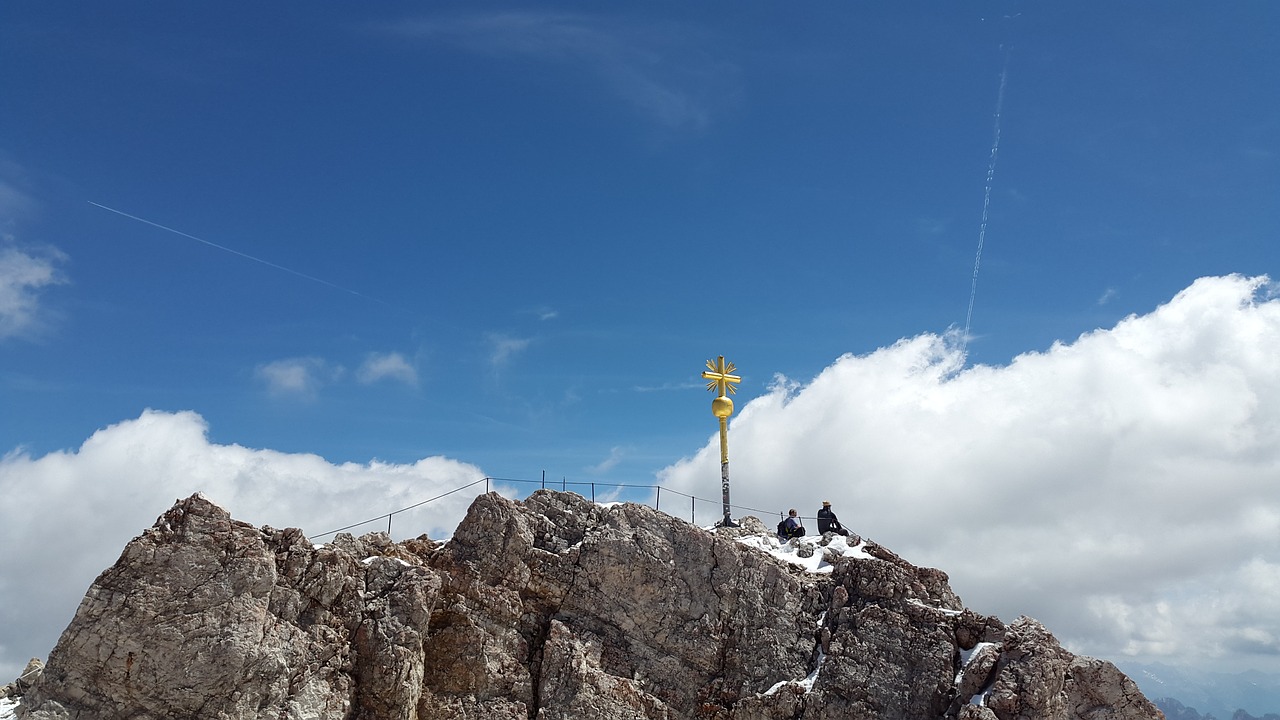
[986,198]
[237,252]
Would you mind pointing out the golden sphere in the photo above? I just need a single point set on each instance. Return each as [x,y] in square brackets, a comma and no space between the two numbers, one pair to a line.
[722,407]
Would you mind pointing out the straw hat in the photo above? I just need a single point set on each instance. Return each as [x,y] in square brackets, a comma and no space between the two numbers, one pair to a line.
[826,503]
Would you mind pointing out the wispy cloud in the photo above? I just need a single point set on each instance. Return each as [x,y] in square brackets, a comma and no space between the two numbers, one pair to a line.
[1107,296]
[930,226]
[389,366]
[669,72]
[305,377]
[25,272]
[615,456]
[667,386]
[15,203]
[542,312]
[504,347]
[24,276]
[298,377]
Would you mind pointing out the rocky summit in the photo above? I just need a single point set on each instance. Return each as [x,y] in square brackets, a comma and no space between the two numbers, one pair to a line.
[548,609]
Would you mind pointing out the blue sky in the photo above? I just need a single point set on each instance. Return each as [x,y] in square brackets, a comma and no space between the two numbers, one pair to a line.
[510,235]
[559,209]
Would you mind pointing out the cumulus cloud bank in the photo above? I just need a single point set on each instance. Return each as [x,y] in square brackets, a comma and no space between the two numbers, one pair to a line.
[1122,488]
[67,515]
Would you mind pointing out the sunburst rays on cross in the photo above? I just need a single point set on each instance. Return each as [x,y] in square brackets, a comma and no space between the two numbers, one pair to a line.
[718,372]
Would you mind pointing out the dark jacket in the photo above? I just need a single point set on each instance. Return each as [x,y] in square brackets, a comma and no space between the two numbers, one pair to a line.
[790,528]
[828,522]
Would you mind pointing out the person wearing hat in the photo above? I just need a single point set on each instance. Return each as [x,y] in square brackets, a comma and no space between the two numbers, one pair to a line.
[828,522]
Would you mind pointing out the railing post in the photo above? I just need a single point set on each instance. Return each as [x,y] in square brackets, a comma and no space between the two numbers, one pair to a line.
[389,524]
[593,492]
[658,500]
[692,509]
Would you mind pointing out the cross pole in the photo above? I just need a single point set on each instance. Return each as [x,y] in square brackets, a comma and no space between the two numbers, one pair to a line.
[718,373]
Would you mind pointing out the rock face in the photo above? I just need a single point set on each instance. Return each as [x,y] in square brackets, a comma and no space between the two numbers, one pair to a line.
[550,609]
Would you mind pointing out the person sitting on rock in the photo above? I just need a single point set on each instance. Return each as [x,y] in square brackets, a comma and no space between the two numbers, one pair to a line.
[791,527]
[828,522]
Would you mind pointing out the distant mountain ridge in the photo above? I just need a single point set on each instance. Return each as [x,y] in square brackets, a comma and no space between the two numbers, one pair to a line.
[1218,695]
[1174,710]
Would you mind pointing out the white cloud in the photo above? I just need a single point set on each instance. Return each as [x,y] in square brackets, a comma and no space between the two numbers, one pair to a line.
[1121,488]
[391,366]
[66,515]
[300,377]
[23,276]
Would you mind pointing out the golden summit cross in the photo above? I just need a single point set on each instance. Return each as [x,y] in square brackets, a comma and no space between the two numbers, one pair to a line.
[718,373]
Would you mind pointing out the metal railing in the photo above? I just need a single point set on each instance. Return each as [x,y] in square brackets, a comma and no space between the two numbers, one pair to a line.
[565,486]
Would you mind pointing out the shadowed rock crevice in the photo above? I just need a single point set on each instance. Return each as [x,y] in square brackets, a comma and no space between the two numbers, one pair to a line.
[548,609]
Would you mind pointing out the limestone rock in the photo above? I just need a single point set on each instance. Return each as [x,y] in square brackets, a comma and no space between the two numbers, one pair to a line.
[1040,680]
[1097,690]
[29,675]
[548,609]
[1031,684]
[978,673]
